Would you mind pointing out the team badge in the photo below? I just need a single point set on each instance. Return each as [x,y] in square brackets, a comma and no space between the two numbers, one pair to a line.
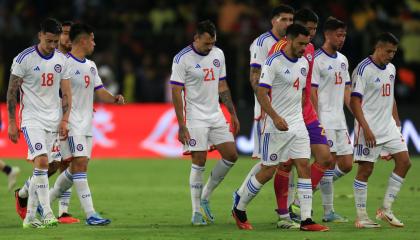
[79,147]
[38,146]
[391,77]
[273,157]
[216,62]
[192,142]
[366,151]
[303,71]
[309,57]
[58,68]
[343,66]
[93,71]
[330,143]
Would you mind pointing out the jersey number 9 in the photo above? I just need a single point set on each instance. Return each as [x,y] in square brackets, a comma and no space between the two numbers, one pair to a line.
[87,81]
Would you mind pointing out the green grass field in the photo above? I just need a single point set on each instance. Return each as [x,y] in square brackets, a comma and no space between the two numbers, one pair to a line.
[150,199]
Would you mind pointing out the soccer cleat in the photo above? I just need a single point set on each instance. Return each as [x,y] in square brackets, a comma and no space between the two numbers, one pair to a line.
[206,211]
[294,212]
[21,204]
[287,224]
[97,220]
[241,219]
[334,217]
[382,214]
[365,223]
[11,178]
[50,221]
[67,218]
[34,223]
[309,225]
[198,219]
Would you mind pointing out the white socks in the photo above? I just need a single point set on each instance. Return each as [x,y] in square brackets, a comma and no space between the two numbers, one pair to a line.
[327,191]
[63,182]
[250,191]
[304,189]
[254,170]
[360,198]
[196,186]
[216,176]
[394,185]
[81,185]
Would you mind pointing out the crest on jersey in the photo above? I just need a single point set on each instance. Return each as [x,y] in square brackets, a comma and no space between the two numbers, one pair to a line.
[38,146]
[330,143]
[343,66]
[391,77]
[216,62]
[309,57]
[93,71]
[79,147]
[303,71]
[58,68]
[273,157]
[192,142]
[366,151]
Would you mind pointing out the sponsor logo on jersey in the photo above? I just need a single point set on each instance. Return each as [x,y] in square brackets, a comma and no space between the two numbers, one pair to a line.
[77,72]
[303,71]
[216,62]
[378,80]
[329,67]
[38,146]
[93,71]
[36,69]
[197,66]
[58,68]
[287,71]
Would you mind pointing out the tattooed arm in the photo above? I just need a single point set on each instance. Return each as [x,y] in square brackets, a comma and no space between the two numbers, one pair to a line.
[66,105]
[225,97]
[14,84]
[254,77]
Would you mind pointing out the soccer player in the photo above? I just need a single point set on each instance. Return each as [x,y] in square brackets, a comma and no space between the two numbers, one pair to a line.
[285,136]
[64,46]
[199,77]
[318,141]
[39,72]
[373,105]
[85,83]
[330,91]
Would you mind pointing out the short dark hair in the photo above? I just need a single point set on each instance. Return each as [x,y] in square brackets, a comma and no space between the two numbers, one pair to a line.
[282,8]
[67,24]
[295,30]
[305,15]
[206,26]
[78,29]
[387,37]
[51,25]
[332,24]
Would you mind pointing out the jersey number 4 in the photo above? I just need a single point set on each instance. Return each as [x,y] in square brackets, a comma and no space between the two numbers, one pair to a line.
[209,74]
[47,79]
[296,84]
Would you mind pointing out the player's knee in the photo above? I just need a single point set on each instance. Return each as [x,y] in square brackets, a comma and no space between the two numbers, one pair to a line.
[347,167]
[232,157]
[52,168]
[266,173]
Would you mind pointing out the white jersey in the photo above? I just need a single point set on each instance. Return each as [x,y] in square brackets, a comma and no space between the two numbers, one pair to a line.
[375,85]
[330,74]
[286,78]
[200,75]
[84,81]
[259,50]
[40,104]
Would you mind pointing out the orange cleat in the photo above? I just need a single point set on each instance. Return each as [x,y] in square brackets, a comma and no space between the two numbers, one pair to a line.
[66,218]
[21,204]
[309,225]
[243,225]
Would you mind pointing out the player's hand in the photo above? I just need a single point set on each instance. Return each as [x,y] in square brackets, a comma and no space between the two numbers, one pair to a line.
[234,124]
[183,135]
[369,138]
[280,124]
[63,130]
[13,132]
[119,99]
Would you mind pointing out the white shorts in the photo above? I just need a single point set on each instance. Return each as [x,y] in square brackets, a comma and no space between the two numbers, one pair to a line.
[76,146]
[39,141]
[256,131]
[339,141]
[280,147]
[363,153]
[203,137]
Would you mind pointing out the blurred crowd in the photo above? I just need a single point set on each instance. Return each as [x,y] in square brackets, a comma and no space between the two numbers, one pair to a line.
[136,40]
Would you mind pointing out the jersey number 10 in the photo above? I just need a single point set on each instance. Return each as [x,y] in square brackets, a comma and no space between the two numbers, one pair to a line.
[386,90]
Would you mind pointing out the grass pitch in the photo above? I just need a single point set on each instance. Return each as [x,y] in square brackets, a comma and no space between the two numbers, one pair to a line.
[150,199]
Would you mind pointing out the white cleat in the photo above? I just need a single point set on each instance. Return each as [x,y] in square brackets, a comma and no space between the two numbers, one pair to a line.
[11,178]
[388,216]
[365,223]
